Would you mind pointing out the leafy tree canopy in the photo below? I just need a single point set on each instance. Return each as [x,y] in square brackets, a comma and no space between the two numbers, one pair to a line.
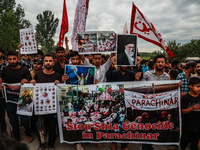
[11,21]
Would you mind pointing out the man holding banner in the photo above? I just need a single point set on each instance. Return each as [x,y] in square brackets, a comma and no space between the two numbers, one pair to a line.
[14,73]
[47,122]
[157,74]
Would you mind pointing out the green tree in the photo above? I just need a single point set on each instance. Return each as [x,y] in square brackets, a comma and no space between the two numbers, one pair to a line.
[46,29]
[174,46]
[11,21]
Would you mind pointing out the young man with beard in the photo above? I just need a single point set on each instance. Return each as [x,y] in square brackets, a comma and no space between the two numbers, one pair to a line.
[155,75]
[3,63]
[197,69]
[49,122]
[75,58]
[14,73]
[158,73]
[60,63]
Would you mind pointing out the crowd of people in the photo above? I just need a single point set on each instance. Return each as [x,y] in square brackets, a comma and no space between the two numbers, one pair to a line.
[49,68]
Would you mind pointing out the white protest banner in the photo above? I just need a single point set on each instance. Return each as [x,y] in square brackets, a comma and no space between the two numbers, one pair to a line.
[27,39]
[45,99]
[126,114]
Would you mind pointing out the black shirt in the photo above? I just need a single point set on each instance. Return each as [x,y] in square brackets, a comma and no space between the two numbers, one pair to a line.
[190,121]
[10,75]
[116,75]
[41,77]
[57,68]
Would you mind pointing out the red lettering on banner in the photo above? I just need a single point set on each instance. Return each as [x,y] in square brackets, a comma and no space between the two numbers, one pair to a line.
[69,126]
[171,125]
[99,135]
[124,136]
[87,127]
[97,126]
[125,126]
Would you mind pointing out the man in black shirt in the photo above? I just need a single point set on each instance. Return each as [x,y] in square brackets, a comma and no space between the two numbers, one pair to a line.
[48,122]
[123,74]
[14,73]
[60,63]
[190,106]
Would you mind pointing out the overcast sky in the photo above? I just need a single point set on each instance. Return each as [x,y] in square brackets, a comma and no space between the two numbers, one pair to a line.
[175,19]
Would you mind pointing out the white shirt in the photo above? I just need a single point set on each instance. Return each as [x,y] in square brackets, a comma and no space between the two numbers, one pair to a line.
[100,73]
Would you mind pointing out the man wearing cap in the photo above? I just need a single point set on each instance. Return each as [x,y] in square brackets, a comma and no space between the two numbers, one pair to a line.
[127,57]
[37,65]
[185,76]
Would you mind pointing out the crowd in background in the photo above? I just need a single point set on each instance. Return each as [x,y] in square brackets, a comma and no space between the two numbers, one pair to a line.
[40,65]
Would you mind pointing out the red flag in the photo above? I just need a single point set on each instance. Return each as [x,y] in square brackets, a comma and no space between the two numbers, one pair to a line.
[64,25]
[79,21]
[109,89]
[146,30]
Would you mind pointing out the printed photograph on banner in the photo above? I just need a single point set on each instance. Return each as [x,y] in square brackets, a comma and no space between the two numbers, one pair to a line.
[87,42]
[142,112]
[155,104]
[80,75]
[25,103]
[45,99]
[126,50]
[92,42]
[92,105]
[106,42]
[27,39]
[12,92]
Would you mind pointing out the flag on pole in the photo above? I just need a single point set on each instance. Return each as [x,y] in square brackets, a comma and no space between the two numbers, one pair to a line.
[125,31]
[79,21]
[146,30]
[64,25]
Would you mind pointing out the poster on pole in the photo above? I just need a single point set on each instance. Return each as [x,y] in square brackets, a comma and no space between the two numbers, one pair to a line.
[45,98]
[25,103]
[27,39]
[12,92]
[92,42]
[134,112]
[80,75]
